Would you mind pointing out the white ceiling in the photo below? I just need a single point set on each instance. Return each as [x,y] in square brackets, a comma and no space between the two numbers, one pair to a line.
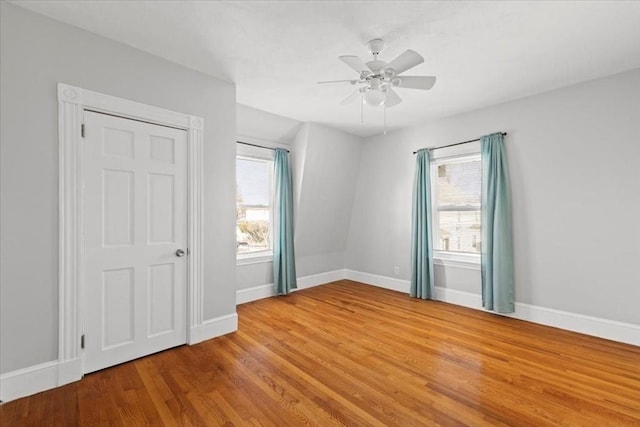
[483,53]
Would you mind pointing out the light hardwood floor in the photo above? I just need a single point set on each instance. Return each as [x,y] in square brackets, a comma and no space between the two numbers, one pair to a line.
[351,354]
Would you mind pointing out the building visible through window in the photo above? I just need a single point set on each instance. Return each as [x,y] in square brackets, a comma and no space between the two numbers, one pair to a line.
[456,193]
[253,205]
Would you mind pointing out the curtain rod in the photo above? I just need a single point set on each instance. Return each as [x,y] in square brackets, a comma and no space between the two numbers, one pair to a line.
[457,143]
[259,146]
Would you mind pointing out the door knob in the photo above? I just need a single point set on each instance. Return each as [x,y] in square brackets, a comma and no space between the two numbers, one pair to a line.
[179,253]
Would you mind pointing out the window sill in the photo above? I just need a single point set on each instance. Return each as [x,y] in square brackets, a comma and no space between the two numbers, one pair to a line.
[456,259]
[254,258]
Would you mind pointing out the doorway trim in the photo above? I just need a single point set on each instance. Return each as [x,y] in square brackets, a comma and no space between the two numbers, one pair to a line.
[72,101]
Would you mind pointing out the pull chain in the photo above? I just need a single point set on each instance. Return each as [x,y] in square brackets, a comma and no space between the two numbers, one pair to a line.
[362,109]
[385,119]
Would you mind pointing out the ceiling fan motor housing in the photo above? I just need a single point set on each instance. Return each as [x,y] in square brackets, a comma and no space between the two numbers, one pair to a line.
[375,46]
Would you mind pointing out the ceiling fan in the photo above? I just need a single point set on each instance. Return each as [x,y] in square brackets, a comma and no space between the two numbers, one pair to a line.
[378,78]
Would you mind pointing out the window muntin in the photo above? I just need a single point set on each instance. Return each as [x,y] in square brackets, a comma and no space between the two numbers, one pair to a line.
[254,206]
[456,187]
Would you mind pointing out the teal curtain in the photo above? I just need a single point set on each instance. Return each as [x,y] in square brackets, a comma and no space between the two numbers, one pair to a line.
[284,262]
[422,284]
[497,245]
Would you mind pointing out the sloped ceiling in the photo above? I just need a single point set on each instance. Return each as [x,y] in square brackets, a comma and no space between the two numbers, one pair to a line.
[482,53]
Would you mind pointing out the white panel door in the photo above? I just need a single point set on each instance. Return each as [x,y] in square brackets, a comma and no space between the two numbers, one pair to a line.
[134,224]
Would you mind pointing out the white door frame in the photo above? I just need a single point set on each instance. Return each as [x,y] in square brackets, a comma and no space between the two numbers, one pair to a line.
[72,101]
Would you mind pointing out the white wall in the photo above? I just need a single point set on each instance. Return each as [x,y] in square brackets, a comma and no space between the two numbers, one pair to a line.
[260,125]
[574,157]
[327,181]
[36,54]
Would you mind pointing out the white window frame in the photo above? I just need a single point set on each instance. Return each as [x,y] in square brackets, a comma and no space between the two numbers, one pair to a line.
[450,258]
[265,155]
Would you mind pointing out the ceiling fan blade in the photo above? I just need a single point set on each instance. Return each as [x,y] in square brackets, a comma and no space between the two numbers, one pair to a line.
[416,82]
[406,60]
[351,98]
[354,62]
[391,98]
[340,81]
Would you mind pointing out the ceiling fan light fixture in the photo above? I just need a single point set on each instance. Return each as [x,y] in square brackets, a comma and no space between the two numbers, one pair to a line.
[373,97]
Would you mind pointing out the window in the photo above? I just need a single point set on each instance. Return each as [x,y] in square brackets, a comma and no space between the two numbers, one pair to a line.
[253,206]
[456,186]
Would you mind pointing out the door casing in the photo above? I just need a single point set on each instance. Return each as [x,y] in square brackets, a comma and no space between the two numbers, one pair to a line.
[72,101]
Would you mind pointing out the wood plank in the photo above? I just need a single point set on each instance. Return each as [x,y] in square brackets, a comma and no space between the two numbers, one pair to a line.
[351,354]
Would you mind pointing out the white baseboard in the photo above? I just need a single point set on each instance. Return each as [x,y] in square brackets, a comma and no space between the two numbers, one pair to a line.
[320,279]
[603,328]
[212,328]
[38,378]
[379,281]
[257,292]
[69,371]
[596,326]
[27,381]
[269,290]
[464,299]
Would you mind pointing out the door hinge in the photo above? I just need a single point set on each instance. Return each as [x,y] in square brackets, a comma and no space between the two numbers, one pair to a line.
[82,341]
[82,130]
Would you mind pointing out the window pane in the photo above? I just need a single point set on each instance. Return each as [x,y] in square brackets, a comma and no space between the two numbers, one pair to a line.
[459,184]
[253,210]
[459,231]
[458,206]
